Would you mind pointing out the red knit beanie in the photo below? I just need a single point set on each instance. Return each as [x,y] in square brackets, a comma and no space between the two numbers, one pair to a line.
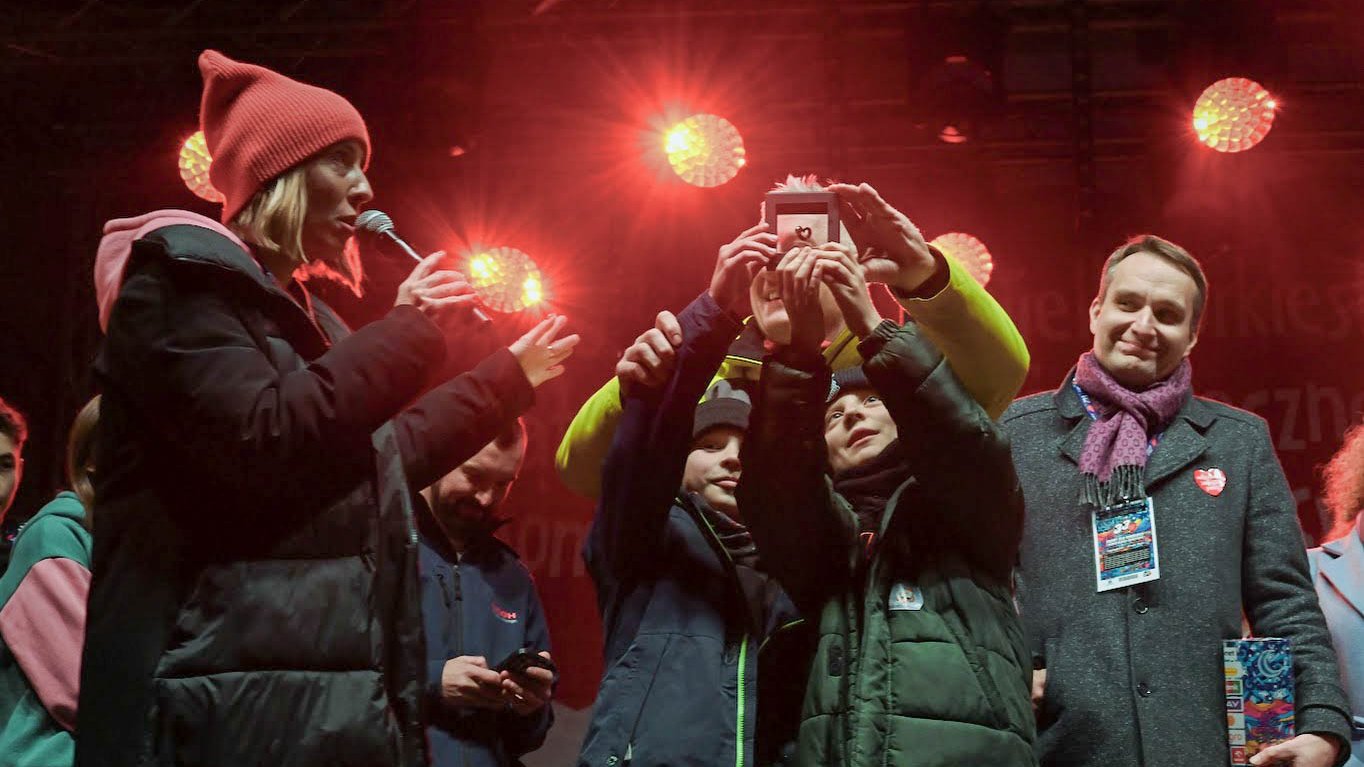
[259,123]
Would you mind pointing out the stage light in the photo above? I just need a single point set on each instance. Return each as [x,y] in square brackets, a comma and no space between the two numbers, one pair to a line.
[956,98]
[969,252]
[704,150]
[1234,114]
[194,165]
[505,279]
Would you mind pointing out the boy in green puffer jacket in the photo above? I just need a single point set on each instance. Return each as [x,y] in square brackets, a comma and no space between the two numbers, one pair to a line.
[901,548]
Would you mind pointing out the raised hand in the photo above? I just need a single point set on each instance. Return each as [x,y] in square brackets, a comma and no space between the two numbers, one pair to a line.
[736,264]
[891,249]
[800,295]
[438,293]
[649,360]
[541,352]
[836,265]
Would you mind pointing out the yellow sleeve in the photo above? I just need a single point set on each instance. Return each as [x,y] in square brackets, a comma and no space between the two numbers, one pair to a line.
[976,336]
[582,452]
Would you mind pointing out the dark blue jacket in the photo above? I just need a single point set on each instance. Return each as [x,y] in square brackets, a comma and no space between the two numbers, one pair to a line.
[682,640]
[481,604]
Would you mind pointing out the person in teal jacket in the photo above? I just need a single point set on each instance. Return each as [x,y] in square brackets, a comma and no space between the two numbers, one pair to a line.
[42,617]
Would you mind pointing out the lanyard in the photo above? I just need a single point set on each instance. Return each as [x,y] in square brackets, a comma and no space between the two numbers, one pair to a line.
[1094,416]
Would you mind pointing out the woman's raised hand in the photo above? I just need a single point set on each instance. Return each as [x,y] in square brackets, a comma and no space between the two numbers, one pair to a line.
[437,293]
[541,352]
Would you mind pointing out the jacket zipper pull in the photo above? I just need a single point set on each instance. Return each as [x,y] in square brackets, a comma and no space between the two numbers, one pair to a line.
[444,590]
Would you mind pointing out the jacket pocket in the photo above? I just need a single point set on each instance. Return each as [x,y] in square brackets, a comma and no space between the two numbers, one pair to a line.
[625,688]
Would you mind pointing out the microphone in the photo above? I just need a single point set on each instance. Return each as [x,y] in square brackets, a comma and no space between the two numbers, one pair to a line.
[378,226]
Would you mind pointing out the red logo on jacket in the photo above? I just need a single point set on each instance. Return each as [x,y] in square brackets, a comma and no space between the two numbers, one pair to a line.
[506,616]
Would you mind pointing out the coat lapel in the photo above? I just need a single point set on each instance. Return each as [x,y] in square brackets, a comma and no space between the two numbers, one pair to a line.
[1346,571]
[1181,444]
[1069,406]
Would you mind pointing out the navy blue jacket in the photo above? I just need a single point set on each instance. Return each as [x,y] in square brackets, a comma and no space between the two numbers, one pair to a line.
[481,604]
[682,641]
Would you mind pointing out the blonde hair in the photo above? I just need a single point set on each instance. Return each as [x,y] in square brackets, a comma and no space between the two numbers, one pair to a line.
[1343,482]
[80,455]
[273,222]
[794,183]
[272,219]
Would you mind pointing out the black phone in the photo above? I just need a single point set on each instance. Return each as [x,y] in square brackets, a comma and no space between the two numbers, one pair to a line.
[524,659]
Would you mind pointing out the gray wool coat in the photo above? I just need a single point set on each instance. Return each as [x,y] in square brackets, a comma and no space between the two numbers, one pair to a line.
[1134,675]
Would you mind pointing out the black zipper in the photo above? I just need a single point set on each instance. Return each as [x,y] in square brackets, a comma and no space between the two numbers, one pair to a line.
[459,611]
[459,636]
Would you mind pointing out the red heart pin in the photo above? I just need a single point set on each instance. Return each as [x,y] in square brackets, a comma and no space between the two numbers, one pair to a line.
[1211,480]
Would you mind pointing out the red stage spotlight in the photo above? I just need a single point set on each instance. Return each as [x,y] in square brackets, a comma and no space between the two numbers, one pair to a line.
[194,164]
[1234,114]
[969,252]
[505,279]
[704,150]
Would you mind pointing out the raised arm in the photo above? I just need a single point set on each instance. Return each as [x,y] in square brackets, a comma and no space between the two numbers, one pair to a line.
[582,452]
[644,467]
[177,347]
[964,321]
[805,538]
[455,420]
[960,456]
[975,334]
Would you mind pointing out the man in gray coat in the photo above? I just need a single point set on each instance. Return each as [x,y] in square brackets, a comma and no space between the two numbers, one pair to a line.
[1154,520]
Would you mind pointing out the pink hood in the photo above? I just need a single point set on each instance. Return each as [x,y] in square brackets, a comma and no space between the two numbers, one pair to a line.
[117,245]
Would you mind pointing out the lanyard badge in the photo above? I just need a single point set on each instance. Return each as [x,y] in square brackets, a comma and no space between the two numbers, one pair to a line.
[1125,551]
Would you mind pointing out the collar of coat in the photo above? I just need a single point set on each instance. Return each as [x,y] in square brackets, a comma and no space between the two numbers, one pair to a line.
[201,248]
[1343,567]
[1180,445]
[480,546]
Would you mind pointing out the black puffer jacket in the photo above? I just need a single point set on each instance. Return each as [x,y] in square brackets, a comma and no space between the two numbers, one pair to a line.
[255,596]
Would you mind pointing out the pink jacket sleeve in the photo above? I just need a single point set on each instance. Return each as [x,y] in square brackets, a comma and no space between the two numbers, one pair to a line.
[43,624]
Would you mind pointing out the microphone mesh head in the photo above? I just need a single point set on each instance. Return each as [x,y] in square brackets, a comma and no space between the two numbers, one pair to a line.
[373,222]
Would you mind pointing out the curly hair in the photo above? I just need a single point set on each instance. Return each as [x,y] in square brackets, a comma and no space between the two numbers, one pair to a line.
[1343,482]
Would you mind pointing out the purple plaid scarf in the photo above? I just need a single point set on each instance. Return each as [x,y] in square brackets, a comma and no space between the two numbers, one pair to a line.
[1113,461]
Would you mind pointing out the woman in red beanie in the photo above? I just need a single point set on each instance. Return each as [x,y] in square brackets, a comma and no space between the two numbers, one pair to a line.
[254,597]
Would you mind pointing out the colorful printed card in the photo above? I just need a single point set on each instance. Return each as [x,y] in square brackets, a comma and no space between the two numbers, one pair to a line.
[1259,690]
[1125,544]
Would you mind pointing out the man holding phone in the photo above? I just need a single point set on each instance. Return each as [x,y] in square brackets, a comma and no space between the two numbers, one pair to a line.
[490,676]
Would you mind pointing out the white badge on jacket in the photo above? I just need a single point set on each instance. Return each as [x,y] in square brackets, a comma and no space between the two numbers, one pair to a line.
[1125,551]
[904,596]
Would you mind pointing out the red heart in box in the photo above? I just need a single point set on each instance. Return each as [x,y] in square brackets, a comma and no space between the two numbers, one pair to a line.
[1211,480]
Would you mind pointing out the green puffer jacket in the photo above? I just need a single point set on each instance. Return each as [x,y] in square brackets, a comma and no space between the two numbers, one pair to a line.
[921,659]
